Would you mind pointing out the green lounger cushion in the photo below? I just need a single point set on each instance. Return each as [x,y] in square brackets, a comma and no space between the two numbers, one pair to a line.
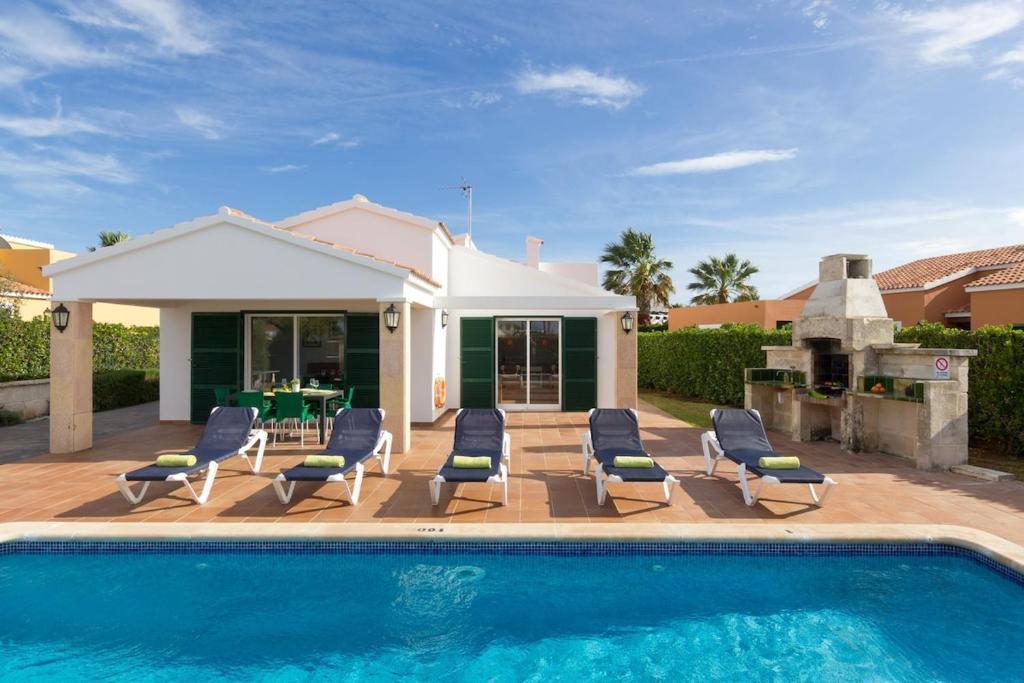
[324,461]
[469,462]
[789,462]
[175,460]
[633,461]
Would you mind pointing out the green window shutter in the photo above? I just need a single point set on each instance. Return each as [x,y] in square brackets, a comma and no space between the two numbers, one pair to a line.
[579,366]
[362,359]
[216,359]
[477,354]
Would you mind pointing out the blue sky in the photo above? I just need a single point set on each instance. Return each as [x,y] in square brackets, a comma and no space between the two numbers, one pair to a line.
[781,130]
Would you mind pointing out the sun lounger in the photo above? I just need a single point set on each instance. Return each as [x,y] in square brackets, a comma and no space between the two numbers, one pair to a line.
[478,432]
[358,435]
[739,436]
[616,432]
[227,433]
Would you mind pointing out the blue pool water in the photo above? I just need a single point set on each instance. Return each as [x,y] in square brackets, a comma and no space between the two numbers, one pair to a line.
[483,613]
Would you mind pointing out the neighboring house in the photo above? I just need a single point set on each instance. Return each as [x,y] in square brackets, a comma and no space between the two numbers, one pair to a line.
[246,303]
[24,287]
[966,290]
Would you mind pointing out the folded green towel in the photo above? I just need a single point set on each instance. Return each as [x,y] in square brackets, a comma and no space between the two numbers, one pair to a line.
[633,461]
[470,462]
[175,460]
[816,394]
[787,462]
[324,461]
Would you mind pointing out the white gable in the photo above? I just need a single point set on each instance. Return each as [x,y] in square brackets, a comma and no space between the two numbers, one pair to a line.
[367,227]
[226,259]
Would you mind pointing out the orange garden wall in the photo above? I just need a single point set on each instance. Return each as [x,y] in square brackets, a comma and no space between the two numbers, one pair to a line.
[997,307]
[764,313]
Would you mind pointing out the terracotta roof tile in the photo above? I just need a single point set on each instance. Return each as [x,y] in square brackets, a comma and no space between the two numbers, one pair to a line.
[14,287]
[923,271]
[1007,276]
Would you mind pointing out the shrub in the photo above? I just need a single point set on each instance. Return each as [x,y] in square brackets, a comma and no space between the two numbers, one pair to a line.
[704,364]
[9,417]
[121,388]
[25,347]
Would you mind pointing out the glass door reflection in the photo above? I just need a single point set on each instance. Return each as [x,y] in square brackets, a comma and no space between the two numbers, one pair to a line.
[512,362]
[543,383]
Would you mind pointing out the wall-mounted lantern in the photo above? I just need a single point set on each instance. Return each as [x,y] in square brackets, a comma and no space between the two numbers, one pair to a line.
[444,318]
[627,322]
[391,318]
[61,317]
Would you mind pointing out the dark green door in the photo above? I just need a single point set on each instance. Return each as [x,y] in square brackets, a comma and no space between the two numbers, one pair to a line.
[362,359]
[477,362]
[216,359]
[579,366]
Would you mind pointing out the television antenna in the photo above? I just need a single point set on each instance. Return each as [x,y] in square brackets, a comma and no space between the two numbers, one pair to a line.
[467,192]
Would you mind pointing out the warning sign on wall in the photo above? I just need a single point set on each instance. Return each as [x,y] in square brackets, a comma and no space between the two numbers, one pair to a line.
[942,367]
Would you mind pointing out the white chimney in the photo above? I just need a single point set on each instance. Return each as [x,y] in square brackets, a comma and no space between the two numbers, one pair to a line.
[533,251]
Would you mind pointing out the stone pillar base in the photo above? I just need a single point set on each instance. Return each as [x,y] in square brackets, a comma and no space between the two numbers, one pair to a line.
[71,381]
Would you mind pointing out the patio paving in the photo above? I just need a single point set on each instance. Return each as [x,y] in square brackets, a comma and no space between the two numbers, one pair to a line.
[546,485]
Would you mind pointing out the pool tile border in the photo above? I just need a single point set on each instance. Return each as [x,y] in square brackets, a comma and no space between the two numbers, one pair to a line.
[998,554]
[594,548]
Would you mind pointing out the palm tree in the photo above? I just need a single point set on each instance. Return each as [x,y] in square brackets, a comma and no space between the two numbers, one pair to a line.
[110,237]
[720,280]
[636,270]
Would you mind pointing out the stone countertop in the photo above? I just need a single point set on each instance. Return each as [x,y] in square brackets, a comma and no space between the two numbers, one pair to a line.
[914,351]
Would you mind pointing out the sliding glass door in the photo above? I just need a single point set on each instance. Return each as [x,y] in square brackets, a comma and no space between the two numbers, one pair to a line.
[527,359]
[281,347]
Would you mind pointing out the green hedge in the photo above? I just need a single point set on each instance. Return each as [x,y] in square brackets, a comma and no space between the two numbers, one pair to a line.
[708,365]
[25,347]
[121,388]
[704,364]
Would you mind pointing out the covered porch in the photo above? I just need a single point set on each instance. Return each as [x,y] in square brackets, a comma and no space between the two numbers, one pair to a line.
[244,306]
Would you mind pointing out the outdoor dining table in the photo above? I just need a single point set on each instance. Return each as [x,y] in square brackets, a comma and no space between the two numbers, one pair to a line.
[321,395]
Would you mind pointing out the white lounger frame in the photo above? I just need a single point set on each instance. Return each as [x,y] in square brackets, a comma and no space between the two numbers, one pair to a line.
[255,436]
[709,442]
[602,478]
[500,478]
[383,442]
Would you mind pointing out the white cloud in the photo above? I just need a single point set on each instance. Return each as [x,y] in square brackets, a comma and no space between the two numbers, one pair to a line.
[337,141]
[204,124]
[580,85]
[724,161]
[1017,216]
[48,164]
[284,168]
[43,127]
[474,100]
[28,34]
[1014,56]
[818,12]
[174,26]
[951,33]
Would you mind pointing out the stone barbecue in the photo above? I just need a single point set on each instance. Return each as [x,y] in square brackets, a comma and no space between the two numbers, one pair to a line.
[845,379]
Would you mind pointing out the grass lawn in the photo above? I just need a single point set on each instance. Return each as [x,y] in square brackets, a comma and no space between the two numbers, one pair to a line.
[693,412]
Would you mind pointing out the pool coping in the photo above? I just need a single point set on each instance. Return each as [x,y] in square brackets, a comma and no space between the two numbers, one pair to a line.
[989,545]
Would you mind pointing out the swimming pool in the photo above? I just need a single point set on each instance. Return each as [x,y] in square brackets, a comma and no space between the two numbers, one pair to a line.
[505,611]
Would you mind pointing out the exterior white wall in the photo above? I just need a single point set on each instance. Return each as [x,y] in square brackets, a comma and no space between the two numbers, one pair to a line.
[439,261]
[607,327]
[390,238]
[581,272]
[175,368]
[476,274]
[428,362]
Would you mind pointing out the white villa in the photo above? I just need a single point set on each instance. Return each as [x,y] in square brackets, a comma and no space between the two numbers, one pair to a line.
[245,304]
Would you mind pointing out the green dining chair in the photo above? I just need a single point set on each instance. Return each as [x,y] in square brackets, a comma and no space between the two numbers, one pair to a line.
[254,399]
[292,408]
